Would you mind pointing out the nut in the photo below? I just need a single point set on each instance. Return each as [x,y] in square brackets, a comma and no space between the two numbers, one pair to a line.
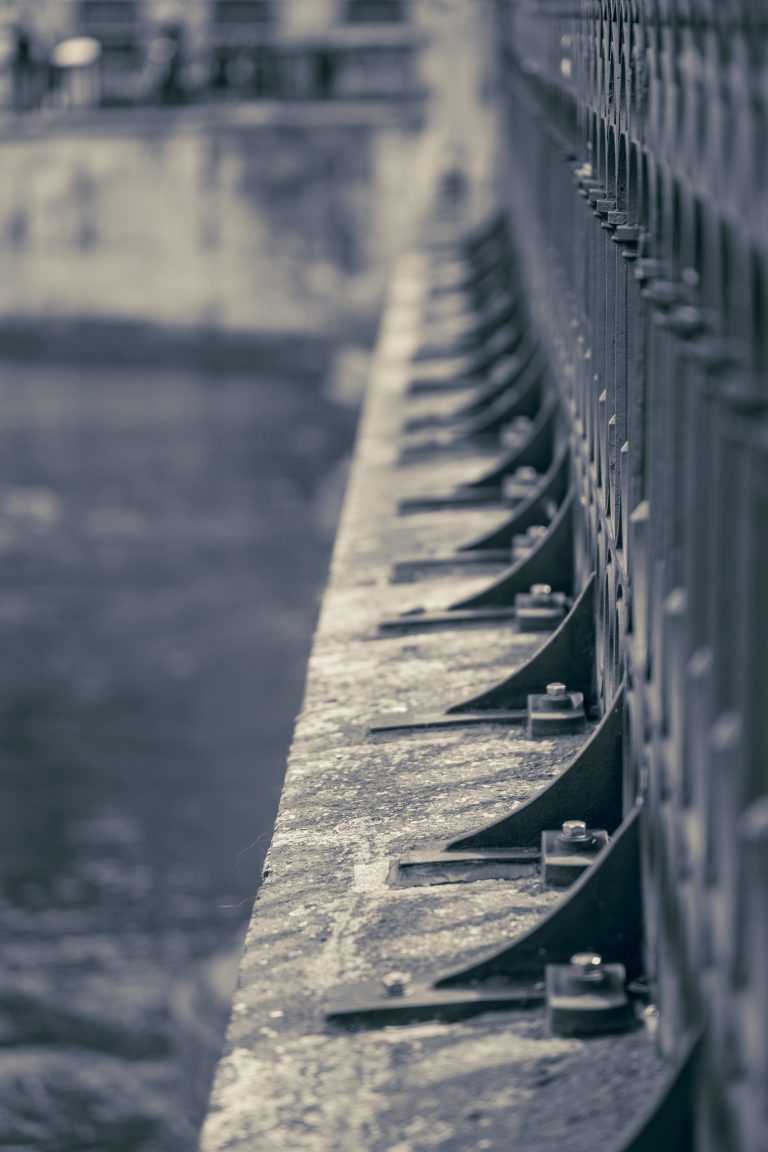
[575,830]
[588,966]
[557,690]
[395,983]
[558,697]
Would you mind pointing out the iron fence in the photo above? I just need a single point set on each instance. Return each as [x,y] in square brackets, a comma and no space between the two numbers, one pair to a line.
[150,54]
[638,181]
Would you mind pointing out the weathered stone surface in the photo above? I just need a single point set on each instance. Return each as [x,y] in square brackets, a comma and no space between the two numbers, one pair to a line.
[326,915]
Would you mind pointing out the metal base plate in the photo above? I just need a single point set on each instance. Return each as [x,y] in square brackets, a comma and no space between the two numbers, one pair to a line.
[456,618]
[460,498]
[413,721]
[367,1005]
[437,864]
[407,571]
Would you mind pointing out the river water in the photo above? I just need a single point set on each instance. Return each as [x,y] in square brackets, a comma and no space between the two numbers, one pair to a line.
[164,538]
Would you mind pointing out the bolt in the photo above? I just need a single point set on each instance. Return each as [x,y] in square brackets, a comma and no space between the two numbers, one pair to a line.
[526,473]
[536,532]
[588,966]
[556,690]
[522,423]
[558,697]
[575,830]
[395,983]
[541,590]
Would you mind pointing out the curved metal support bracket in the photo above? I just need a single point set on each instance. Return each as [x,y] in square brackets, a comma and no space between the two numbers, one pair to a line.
[510,372]
[549,562]
[589,789]
[540,507]
[470,339]
[452,373]
[669,1123]
[602,913]
[524,360]
[568,655]
[551,490]
[525,399]
[535,453]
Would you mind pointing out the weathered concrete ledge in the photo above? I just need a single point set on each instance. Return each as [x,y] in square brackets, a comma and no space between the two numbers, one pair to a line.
[288,1081]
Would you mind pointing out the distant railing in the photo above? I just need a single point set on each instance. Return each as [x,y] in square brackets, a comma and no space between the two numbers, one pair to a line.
[227,51]
[640,192]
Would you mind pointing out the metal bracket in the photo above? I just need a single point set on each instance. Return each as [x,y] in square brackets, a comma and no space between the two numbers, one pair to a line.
[451,373]
[568,655]
[503,376]
[469,338]
[483,431]
[551,492]
[669,1122]
[587,997]
[602,913]
[589,788]
[556,711]
[512,375]
[549,562]
[494,546]
[569,851]
[541,609]
[451,501]
[535,453]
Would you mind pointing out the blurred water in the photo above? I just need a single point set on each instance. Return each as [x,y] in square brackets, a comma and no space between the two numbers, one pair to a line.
[164,538]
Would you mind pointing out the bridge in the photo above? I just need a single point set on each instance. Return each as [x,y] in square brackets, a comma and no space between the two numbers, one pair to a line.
[517,895]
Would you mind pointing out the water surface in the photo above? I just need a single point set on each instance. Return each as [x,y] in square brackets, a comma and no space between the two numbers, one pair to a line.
[164,537]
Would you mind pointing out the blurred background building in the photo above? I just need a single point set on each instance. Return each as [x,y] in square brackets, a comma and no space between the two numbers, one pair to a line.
[163,50]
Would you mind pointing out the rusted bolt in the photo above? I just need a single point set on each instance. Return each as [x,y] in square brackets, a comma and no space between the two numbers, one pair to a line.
[575,830]
[395,983]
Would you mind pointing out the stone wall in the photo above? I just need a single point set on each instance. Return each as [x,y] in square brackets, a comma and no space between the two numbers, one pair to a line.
[226,219]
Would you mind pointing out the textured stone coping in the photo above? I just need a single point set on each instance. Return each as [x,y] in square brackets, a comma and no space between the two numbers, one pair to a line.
[289,1082]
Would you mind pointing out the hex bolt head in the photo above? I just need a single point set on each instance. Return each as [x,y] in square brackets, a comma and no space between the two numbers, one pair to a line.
[395,983]
[536,532]
[588,966]
[557,690]
[541,590]
[575,830]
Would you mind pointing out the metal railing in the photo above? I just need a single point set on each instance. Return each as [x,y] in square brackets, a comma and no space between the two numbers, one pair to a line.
[634,453]
[211,50]
[639,187]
